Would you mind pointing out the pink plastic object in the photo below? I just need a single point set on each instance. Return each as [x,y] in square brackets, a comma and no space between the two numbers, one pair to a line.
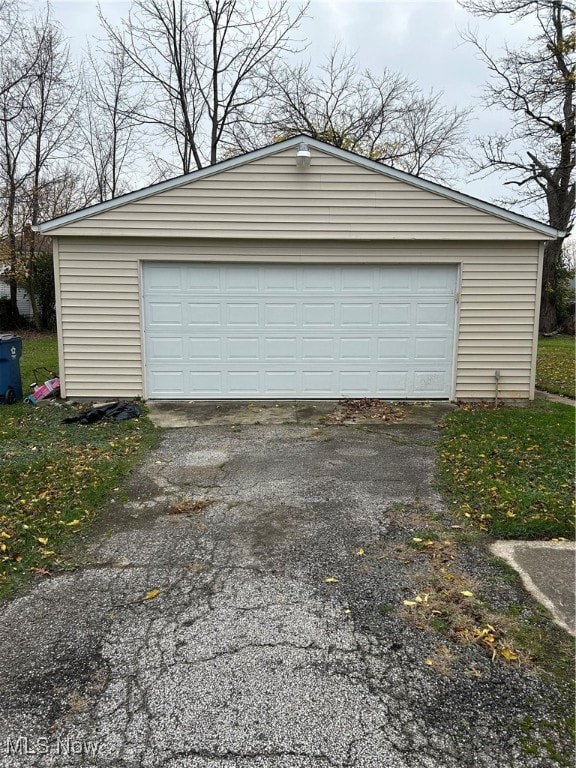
[49,388]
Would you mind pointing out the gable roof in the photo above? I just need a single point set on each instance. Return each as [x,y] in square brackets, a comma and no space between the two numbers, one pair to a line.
[235,162]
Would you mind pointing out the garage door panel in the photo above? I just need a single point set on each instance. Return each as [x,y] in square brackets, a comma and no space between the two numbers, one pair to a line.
[426,382]
[203,313]
[356,383]
[281,348]
[243,348]
[357,348]
[393,382]
[166,348]
[356,315]
[318,315]
[395,348]
[209,383]
[394,314]
[436,314]
[318,383]
[281,279]
[243,382]
[280,315]
[395,280]
[242,280]
[161,278]
[169,383]
[165,313]
[205,348]
[319,348]
[249,331]
[203,278]
[281,382]
[431,348]
[319,280]
[242,315]
[353,279]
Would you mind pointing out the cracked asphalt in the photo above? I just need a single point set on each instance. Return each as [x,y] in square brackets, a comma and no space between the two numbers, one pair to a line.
[247,656]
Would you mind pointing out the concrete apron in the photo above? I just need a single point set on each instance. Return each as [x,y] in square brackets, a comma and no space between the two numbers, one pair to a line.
[169,414]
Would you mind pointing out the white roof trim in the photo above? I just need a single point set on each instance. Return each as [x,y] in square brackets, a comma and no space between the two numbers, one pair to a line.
[272,149]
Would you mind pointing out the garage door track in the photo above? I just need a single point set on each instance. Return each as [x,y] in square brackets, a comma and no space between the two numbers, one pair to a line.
[242,604]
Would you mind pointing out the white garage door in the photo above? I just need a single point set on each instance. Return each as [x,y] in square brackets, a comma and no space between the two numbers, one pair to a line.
[262,331]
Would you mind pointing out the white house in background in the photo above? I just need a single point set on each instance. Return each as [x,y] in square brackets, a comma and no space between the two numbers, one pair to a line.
[297,271]
[24,303]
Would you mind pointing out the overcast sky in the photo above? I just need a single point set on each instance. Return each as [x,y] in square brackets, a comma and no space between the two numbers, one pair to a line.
[418,38]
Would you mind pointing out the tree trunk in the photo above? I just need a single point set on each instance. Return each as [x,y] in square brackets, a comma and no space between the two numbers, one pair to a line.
[14,312]
[550,285]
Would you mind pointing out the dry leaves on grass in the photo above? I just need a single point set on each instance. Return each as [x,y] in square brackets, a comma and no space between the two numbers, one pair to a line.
[446,607]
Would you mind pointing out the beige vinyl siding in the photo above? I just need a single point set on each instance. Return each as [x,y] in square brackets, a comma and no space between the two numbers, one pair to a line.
[271,197]
[101,325]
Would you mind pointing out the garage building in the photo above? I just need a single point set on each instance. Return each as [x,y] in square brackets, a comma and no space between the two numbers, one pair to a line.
[297,271]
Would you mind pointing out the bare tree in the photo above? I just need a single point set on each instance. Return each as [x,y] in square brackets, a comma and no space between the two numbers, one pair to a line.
[385,117]
[15,68]
[204,65]
[51,115]
[432,136]
[108,124]
[36,127]
[536,85]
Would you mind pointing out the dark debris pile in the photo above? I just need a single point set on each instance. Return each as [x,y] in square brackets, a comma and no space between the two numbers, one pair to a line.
[352,409]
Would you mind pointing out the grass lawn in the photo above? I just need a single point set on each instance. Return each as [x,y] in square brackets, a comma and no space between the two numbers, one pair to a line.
[510,470]
[37,350]
[55,476]
[555,369]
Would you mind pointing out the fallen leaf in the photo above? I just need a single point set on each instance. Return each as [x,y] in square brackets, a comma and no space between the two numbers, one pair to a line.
[467,593]
[151,594]
[429,662]
[410,602]
[360,551]
[42,540]
[347,610]
[73,522]
[415,538]
[331,580]
[508,654]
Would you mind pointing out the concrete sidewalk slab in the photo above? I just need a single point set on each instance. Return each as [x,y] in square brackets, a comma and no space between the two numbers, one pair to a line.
[541,395]
[548,571]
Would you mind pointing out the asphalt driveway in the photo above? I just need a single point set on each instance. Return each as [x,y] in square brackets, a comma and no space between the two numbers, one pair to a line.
[241,604]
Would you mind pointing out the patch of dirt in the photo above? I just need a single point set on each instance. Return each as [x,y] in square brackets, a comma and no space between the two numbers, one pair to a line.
[189,506]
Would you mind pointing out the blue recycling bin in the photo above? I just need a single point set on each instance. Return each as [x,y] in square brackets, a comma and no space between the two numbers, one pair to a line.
[10,379]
